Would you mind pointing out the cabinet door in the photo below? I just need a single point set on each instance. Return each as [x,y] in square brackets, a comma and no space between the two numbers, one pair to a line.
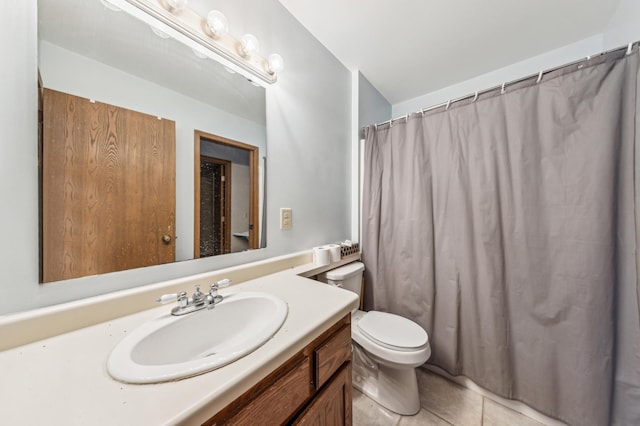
[332,405]
[277,402]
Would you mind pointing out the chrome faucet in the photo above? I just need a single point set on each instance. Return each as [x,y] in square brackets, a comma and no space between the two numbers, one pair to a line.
[198,301]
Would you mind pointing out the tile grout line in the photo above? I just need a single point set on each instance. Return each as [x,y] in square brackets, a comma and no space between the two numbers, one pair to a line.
[440,417]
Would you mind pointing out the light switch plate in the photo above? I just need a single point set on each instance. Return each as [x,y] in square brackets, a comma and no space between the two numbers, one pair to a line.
[286,218]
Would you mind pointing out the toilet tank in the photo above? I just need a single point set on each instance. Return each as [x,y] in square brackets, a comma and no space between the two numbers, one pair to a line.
[348,277]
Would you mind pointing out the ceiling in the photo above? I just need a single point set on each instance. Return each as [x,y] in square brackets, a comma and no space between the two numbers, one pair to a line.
[409,48]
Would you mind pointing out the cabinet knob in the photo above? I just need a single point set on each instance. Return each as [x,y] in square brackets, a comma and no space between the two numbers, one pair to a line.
[166,238]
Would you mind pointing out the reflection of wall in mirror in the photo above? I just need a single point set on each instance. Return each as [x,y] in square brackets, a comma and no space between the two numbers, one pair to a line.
[71,73]
[240,184]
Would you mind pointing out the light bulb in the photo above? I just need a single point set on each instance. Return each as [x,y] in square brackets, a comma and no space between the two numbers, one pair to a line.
[217,22]
[276,63]
[249,44]
[176,5]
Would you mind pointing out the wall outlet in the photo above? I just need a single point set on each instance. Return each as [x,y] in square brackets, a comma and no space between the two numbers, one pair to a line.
[286,218]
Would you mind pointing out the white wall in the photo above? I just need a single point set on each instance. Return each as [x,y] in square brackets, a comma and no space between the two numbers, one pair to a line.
[624,26]
[308,135]
[240,184]
[93,80]
[531,66]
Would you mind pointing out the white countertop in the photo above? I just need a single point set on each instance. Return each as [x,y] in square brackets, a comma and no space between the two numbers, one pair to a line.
[63,380]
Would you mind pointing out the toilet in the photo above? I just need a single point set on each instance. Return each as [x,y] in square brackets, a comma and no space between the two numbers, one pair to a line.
[387,348]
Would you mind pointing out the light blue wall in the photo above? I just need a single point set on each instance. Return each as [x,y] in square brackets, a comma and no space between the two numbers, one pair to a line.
[372,106]
[308,136]
[18,155]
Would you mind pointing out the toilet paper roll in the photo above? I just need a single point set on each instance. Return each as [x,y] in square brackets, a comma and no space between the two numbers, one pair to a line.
[334,249]
[321,256]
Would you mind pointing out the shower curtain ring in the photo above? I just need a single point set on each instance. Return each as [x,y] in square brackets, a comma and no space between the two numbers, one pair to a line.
[502,90]
[629,48]
[475,97]
[539,78]
[448,103]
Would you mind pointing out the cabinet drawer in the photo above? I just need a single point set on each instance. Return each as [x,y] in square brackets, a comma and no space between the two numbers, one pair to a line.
[331,354]
[279,401]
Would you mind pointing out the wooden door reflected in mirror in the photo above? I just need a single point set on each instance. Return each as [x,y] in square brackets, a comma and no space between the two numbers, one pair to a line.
[108,188]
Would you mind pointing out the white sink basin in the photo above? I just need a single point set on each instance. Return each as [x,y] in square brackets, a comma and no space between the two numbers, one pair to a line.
[175,347]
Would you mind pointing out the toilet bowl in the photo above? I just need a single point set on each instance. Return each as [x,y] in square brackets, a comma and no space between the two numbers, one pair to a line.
[387,348]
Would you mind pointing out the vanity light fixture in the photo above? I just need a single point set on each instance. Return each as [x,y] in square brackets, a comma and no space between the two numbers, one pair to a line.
[206,35]
[276,63]
[217,23]
[249,45]
[176,5]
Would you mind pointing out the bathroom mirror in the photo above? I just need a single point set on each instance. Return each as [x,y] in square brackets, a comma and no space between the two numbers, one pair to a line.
[106,60]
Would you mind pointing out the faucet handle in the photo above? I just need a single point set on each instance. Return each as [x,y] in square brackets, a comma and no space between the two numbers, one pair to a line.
[213,292]
[167,298]
[219,284]
[222,283]
[171,297]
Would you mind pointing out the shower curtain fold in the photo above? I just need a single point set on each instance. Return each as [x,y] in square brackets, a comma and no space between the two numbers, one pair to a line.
[506,227]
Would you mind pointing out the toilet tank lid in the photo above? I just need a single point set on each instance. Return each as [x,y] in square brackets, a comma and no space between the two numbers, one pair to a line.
[345,271]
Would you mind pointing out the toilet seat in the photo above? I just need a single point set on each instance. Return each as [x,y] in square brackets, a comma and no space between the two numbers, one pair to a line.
[392,331]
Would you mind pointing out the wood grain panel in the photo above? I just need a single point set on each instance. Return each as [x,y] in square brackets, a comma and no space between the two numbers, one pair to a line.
[108,188]
[289,391]
[273,404]
[332,406]
[331,354]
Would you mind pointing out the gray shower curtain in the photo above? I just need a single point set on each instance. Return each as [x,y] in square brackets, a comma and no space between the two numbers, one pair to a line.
[506,227]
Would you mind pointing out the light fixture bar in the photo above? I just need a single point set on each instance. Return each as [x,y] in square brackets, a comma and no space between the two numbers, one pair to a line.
[191,28]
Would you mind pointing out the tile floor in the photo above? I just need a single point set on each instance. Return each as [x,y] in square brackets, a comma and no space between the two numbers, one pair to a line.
[444,403]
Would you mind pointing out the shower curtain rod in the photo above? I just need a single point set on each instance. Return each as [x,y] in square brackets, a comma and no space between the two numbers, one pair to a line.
[502,87]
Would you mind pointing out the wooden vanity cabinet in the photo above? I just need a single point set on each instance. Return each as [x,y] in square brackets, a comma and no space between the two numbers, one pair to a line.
[311,388]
